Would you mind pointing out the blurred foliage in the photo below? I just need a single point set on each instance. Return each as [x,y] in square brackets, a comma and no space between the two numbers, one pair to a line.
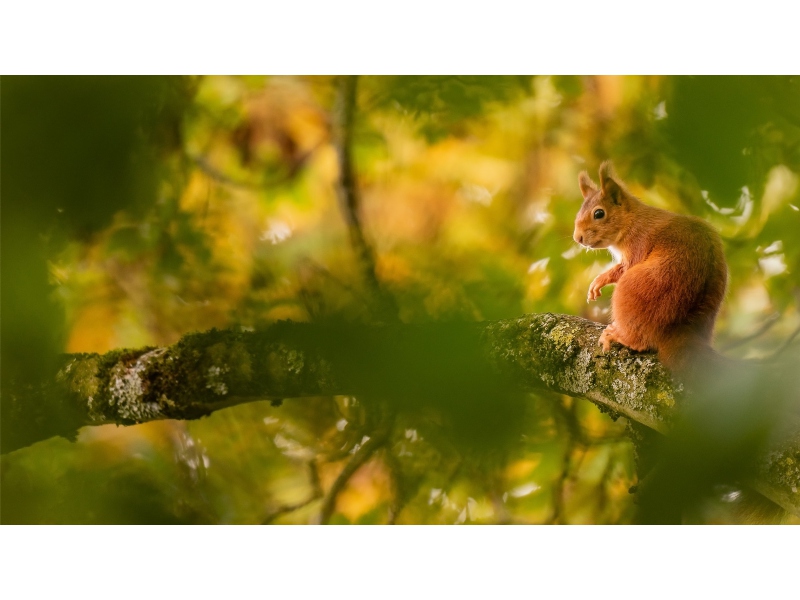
[136,210]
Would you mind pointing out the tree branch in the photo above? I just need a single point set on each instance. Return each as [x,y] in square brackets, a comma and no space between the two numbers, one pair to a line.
[349,198]
[405,364]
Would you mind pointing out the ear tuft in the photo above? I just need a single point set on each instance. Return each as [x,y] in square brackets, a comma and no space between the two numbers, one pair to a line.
[610,183]
[586,184]
[607,171]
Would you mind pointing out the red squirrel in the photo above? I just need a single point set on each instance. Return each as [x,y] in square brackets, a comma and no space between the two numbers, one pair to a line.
[671,273]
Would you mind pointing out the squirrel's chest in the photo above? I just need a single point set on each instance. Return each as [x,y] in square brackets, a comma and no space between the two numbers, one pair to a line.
[616,253]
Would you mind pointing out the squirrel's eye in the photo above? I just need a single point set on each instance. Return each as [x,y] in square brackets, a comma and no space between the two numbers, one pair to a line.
[599,213]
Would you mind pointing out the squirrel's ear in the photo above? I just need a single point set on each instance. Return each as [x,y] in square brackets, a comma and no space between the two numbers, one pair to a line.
[586,184]
[612,188]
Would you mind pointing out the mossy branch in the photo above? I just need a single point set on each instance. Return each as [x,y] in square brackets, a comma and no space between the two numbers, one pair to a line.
[207,371]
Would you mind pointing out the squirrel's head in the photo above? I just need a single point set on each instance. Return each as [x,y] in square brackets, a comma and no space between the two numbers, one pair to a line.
[602,219]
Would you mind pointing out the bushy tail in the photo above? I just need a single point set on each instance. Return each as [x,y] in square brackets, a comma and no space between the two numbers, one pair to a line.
[734,411]
[690,357]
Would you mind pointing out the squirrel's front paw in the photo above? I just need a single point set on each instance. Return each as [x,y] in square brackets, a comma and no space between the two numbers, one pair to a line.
[594,290]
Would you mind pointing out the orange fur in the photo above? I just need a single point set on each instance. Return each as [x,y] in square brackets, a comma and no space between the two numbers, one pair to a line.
[671,277]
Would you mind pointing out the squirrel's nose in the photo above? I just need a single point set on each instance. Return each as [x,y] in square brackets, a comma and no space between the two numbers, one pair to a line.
[578,238]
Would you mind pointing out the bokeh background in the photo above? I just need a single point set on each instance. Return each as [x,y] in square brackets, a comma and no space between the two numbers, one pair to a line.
[136,210]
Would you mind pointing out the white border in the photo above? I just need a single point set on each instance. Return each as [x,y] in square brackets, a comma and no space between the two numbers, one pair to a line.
[413,36]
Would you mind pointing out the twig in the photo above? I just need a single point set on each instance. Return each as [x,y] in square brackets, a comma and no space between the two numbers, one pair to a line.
[218,176]
[783,346]
[765,326]
[579,436]
[316,493]
[559,485]
[573,434]
[399,492]
[602,487]
[361,456]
